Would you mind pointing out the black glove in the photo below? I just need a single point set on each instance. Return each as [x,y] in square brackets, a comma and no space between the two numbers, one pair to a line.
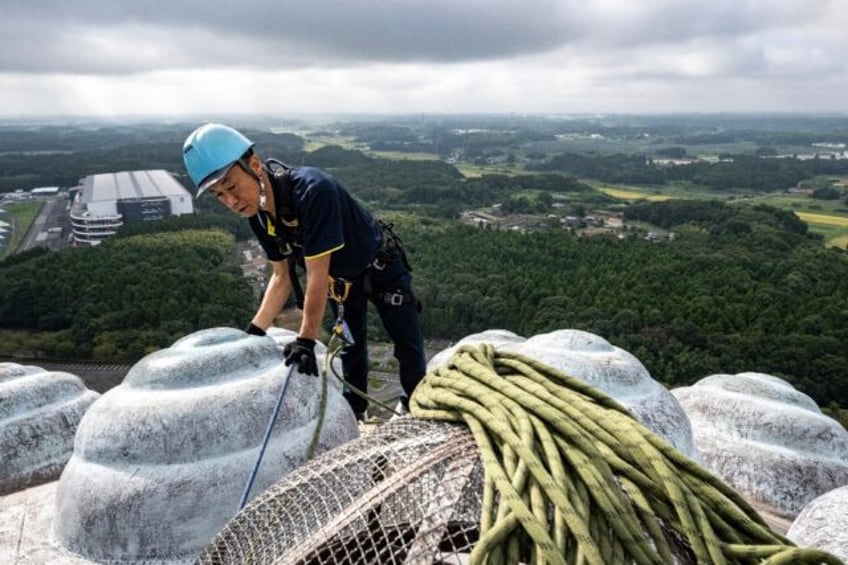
[301,352]
[253,329]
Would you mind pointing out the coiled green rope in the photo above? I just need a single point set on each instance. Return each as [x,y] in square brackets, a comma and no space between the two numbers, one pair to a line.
[571,474]
[333,349]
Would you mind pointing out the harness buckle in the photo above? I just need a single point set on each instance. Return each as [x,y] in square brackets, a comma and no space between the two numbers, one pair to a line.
[394,299]
[379,263]
[339,289]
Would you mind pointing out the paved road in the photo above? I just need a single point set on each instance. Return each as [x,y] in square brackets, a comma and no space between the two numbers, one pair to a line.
[50,228]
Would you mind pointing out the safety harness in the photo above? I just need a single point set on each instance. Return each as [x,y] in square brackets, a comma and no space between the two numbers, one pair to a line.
[287,232]
[391,242]
[339,288]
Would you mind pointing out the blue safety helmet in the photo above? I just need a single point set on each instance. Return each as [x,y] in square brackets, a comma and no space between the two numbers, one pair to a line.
[210,151]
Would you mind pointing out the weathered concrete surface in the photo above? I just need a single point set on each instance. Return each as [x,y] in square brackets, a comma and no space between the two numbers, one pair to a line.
[766,439]
[161,461]
[594,360]
[25,522]
[495,337]
[823,524]
[39,414]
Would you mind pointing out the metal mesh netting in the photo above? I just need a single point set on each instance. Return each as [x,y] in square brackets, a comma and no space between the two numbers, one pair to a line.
[549,470]
[408,492]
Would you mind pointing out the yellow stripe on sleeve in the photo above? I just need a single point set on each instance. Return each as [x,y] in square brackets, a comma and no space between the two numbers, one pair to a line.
[324,253]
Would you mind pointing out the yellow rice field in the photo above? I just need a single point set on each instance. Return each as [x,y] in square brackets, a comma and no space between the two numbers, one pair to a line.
[833,228]
[841,242]
[401,156]
[632,194]
[823,219]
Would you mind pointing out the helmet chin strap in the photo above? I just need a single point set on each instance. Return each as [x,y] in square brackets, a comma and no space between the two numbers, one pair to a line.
[262,198]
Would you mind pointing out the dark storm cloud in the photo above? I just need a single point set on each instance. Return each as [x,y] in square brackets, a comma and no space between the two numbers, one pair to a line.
[126,36]
[123,36]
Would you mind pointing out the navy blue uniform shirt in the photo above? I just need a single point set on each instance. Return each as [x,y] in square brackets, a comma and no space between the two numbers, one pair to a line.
[329,220]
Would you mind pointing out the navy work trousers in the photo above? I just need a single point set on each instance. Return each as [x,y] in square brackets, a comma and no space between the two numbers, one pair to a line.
[401,321]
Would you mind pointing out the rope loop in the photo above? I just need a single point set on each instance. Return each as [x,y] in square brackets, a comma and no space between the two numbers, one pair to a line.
[572,477]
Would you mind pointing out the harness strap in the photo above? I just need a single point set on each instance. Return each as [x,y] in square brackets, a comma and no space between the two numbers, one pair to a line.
[299,297]
[390,241]
[395,297]
[398,298]
[285,226]
[283,201]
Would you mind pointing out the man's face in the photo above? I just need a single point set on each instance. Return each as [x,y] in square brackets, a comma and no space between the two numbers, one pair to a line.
[238,191]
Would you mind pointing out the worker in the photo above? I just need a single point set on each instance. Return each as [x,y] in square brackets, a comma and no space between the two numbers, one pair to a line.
[304,218]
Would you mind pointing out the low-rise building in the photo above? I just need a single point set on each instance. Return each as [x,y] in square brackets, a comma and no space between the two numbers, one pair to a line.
[45,192]
[105,202]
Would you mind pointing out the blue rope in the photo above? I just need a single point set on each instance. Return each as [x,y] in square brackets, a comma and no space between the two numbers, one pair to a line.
[268,429]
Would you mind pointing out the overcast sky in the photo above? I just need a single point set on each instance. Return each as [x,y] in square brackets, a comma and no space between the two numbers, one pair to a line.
[150,57]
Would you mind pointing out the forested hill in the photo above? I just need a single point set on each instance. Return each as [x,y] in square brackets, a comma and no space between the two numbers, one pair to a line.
[738,289]
[124,298]
[734,171]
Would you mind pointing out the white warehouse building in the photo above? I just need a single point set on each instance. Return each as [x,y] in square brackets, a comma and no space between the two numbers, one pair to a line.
[106,202]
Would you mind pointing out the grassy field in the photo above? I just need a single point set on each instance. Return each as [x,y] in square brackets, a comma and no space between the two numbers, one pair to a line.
[318,142]
[314,143]
[629,193]
[834,228]
[470,170]
[840,241]
[20,215]
[824,219]
[403,156]
[828,218]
